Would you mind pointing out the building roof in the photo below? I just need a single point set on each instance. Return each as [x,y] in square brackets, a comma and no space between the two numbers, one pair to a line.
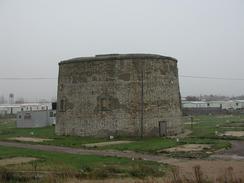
[116,57]
[198,102]
[241,101]
[22,105]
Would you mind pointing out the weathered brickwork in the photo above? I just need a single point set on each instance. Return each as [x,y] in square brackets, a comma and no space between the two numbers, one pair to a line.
[102,96]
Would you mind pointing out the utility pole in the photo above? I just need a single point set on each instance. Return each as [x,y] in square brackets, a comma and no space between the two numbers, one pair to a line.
[142,101]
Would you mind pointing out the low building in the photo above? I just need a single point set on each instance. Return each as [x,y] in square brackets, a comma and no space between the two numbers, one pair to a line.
[13,109]
[9,109]
[228,105]
[212,107]
[194,104]
[35,119]
[238,104]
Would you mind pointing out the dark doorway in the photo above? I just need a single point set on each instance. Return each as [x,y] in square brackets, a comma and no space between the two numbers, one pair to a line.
[162,128]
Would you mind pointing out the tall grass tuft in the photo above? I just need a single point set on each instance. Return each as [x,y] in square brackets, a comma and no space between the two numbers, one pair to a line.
[7,176]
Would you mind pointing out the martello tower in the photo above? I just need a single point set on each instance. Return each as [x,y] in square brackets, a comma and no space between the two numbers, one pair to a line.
[119,94]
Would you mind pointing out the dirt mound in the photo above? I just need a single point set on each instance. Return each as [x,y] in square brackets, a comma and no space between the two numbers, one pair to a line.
[187,148]
[101,144]
[233,133]
[28,139]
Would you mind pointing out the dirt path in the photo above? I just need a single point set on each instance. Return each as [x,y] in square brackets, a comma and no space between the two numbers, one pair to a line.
[237,148]
[236,151]
[212,167]
[50,148]
[29,139]
[101,144]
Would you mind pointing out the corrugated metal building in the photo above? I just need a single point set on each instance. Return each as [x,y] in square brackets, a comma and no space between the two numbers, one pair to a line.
[6,109]
[35,119]
[228,105]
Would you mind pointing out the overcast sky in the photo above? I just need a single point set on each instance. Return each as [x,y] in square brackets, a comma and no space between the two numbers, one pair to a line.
[205,36]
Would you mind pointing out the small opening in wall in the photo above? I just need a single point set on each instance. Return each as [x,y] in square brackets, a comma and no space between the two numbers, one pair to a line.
[105,104]
[62,105]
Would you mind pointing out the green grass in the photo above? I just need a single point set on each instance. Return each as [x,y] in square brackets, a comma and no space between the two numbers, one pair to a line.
[203,132]
[144,145]
[215,144]
[207,125]
[101,167]
[58,162]
[8,129]
[154,145]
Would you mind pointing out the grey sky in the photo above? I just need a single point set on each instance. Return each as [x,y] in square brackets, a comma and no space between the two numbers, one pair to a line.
[206,36]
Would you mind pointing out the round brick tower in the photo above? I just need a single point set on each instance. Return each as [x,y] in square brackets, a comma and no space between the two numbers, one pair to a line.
[119,95]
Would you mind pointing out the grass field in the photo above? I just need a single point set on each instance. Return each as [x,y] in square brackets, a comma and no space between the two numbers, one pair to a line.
[8,129]
[81,165]
[203,132]
[206,126]
[149,145]
[84,165]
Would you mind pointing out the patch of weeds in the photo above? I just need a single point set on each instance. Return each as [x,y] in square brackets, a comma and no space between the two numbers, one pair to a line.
[142,171]
[105,172]
[7,175]
[190,155]
[85,169]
